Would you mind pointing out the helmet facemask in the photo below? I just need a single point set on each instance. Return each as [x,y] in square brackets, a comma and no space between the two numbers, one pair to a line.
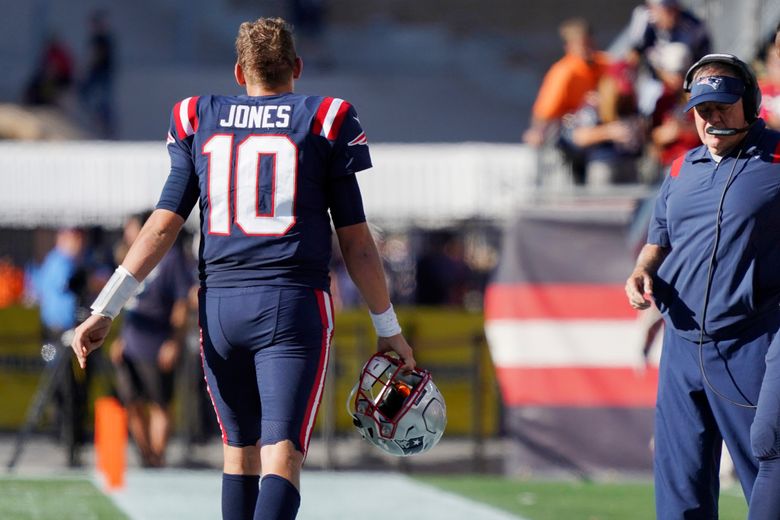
[401,413]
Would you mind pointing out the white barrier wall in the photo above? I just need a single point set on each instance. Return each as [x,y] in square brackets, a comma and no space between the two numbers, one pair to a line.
[78,183]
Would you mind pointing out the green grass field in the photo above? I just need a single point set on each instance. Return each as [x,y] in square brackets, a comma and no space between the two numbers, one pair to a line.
[79,499]
[54,499]
[571,500]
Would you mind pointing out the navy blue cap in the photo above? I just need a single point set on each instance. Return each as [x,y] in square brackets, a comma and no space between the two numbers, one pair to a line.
[719,89]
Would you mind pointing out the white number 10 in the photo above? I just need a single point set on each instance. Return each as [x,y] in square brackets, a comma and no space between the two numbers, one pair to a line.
[284,155]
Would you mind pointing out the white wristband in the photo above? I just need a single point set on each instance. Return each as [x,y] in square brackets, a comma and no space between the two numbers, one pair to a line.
[119,288]
[386,323]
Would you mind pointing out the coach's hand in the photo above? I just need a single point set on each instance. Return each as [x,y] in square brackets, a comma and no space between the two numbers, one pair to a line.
[639,288]
[398,345]
[89,336]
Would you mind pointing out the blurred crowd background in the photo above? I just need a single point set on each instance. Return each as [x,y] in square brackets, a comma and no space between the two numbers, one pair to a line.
[591,89]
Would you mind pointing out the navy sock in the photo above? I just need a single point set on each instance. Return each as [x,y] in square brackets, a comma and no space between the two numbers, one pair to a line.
[279,500]
[239,496]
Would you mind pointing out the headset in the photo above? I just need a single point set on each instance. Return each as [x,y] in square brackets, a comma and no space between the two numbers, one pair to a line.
[751,99]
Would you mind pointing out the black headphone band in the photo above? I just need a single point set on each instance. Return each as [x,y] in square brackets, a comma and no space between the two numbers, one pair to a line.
[752,96]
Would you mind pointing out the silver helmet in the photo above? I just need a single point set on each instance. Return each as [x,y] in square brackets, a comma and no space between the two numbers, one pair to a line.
[402,414]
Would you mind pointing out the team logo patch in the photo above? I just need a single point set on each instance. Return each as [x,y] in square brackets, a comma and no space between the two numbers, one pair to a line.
[710,81]
[413,445]
[360,139]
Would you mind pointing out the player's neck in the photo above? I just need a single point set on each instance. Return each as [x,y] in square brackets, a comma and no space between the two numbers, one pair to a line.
[262,90]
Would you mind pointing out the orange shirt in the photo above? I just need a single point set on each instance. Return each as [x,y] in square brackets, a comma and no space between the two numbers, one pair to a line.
[566,83]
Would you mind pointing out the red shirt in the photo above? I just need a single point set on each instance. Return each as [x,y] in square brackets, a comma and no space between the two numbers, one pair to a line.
[770,100]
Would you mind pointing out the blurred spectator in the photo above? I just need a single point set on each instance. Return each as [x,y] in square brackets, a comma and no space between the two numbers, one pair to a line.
[665,21]
[151,339]
[673,131]
[443,277]
[199,421]
[11,283]
[398,261]
[565,85]
[399,266]
[57,283]
[650,322]
[52,76]
[343,290]
[59,287]
[97,89]
[98,260]
[607,131]
[770,87]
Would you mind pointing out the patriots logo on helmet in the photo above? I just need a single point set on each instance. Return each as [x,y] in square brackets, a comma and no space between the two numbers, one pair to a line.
[410,446]
[710,81]
[401,414]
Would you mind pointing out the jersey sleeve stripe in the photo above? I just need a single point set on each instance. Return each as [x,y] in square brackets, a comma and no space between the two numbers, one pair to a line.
[776,155]
[184,118]
[192,113]
[177,120]
[333,119]
[338,120]
[319,117]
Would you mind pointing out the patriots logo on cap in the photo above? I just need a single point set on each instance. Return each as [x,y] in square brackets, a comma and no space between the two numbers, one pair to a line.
[711,81]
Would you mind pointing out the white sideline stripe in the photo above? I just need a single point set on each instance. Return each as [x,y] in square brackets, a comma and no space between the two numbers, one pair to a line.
[556,343]
[195,495]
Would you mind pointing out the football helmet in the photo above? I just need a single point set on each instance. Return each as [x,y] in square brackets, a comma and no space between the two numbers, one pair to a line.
[402,414]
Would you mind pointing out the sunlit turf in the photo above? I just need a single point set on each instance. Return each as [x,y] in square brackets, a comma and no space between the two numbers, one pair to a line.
[54,499]
[79,499]
[543,500]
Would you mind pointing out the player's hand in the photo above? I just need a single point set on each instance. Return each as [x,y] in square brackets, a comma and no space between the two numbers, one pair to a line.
[639,288]
[168,354]
[398,345]
[89,336]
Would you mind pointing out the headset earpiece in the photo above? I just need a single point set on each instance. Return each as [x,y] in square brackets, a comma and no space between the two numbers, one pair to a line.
[751,99]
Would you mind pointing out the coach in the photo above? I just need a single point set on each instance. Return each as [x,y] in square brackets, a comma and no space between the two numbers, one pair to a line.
[712,264]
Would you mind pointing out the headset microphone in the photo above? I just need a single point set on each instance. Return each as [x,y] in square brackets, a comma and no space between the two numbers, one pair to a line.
[726,132]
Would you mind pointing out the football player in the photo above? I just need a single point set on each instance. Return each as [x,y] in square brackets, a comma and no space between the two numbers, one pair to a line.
[270,170]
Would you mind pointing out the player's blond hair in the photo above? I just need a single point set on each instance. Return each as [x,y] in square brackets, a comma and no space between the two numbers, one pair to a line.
[266,51]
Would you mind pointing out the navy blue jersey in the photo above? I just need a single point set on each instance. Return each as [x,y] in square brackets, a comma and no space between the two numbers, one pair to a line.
[745,283]
[266,171]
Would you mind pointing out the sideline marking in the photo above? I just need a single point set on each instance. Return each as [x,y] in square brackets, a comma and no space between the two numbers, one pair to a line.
[194,495]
